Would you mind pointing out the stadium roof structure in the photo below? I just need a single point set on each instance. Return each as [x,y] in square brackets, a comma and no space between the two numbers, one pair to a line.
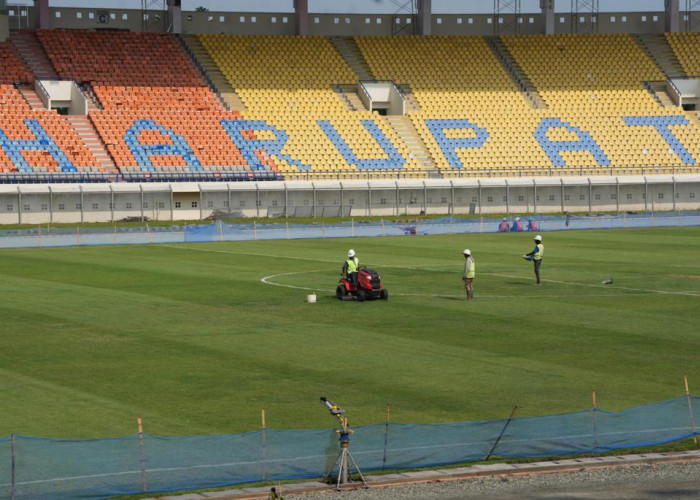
[421,10]
[373,6]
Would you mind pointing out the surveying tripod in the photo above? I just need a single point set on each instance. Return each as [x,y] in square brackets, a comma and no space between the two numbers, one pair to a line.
[344,454]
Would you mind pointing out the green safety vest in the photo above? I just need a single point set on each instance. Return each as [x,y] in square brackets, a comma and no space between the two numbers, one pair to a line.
[539,251]
[352,264]
[472,268]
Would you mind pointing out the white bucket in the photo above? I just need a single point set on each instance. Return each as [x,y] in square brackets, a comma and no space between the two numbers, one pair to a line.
[311,298]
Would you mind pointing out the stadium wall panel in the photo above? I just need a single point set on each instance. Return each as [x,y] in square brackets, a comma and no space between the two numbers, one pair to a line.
[74,203]
[325,24]
[4,27]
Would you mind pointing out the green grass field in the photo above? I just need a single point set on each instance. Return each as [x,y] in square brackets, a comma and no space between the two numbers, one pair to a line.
[189,338]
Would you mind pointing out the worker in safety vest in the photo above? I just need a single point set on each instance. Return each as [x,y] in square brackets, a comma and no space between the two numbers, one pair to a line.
[504,227]
[350,267]
[517,225]
[469,273]
[536,256]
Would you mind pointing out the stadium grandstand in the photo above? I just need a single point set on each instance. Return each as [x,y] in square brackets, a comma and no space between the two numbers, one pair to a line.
[139,92]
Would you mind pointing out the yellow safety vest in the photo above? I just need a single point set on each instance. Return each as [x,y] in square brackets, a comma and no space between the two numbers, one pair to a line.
[539,251]
[352,264]
[472,268]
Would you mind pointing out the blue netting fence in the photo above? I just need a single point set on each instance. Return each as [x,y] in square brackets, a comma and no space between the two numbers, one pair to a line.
[222,231]
[97,468]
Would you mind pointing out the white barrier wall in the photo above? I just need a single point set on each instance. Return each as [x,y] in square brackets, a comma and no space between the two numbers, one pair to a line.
[71,203]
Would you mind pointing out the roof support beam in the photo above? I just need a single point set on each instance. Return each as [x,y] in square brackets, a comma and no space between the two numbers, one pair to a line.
[175,15]
[672,19]
[425,17]
[547,7]
[41,7]
[301,17]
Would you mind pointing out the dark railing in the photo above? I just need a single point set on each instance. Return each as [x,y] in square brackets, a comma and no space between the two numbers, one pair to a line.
[319,175]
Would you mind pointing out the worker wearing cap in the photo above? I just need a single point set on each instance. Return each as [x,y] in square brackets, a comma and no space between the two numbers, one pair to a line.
[536,255]
[504,227]
[350,267]
[469,273]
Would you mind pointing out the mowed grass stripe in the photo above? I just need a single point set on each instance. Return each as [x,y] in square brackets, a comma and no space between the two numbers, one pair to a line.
[189,338]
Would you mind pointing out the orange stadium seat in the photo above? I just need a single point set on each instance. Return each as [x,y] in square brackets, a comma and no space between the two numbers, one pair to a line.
[159,113]
[13,122]
[144,76]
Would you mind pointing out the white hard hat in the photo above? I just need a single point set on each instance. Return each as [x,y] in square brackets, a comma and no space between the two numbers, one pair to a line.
[351,253]
[517,218]
[467,251]
[538,238]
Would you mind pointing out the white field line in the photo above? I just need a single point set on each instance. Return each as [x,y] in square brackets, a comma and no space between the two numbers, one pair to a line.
[642,291]
[268,280]
[660,292]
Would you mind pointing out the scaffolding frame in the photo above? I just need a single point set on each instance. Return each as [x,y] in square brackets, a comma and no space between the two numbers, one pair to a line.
[154,16]
[691,16]
[506,17]
[587,10]
[405,9]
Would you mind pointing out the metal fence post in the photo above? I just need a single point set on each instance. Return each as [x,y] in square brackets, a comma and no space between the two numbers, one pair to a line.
[142,449]
[690,408]
[595,421]
[493,448]
[386,433]
[264,445]
[13,465]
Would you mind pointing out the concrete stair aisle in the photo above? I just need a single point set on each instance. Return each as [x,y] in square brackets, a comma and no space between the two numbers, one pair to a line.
[347,92]
[85,129]
[212,74]
[516,73]
[658,91]
[89,93]
[355,101]
[33,54]
[410,99]
[656,46]
[31,97]
[406,130]
[348,49]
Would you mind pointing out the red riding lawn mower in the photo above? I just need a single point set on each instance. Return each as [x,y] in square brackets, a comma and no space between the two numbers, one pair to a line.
[369,286]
